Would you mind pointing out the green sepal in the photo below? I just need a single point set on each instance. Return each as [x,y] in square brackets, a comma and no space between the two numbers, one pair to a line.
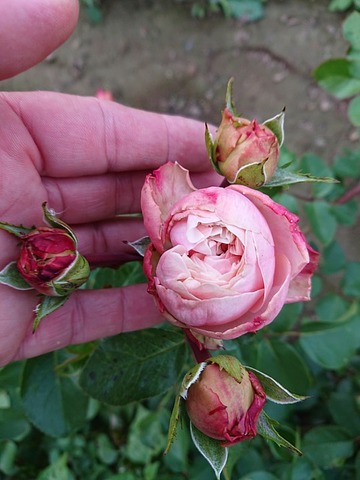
[173,424]
[229,98]
[17,230]
[211,450]
[266,428]
[252,175]
[73,277]
[11,276]
[230,364]
[274,391]
[140,245]
[45,307]
[191,377]
[283,177]
[276,125]
[51,219]
[210,148]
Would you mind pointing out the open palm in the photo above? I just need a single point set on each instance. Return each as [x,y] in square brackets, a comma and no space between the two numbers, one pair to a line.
[88,159]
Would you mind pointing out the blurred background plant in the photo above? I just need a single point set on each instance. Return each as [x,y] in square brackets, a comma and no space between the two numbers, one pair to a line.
[100,411]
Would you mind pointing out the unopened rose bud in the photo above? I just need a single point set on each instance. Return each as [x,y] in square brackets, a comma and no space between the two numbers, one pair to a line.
[245,152]
[50,263]
[225,406]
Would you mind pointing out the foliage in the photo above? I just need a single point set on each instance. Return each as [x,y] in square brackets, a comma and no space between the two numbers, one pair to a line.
[341,76]
[248,10]
[102,410]
[93,10]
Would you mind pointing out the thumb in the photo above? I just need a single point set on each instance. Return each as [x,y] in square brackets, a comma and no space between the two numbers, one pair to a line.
[31,30]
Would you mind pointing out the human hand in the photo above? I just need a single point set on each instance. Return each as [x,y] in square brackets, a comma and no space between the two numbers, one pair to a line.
[88,159]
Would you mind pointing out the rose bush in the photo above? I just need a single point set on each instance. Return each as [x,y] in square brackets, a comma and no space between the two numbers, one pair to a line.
[225,407]
[222,261]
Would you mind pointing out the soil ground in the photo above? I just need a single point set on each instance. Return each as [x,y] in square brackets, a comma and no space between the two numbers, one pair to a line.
[153,55]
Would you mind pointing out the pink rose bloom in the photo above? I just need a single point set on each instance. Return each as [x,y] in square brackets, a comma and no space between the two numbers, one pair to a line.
[222,261]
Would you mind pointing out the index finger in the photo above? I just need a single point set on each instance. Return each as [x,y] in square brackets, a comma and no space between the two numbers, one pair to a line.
[76,136]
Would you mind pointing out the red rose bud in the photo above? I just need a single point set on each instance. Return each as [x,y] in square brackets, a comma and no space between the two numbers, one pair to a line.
[224,407]
[50,263]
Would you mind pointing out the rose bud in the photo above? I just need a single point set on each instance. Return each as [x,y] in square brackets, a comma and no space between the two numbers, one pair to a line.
[245,152]
[225,404]
[50,263]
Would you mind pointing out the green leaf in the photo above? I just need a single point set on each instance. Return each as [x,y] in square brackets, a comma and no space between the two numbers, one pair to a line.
[94,14]
[332,259]
[351,280]
[134,366]
[332,345]
[345,412]
[211,449]
[339,5]
[316,166]
[248,10]
[335,76]
[45,307]
[274,391]
[330,308]
[346,213]
[17,230]
[8,456]
[259,475]
[327,446]
[283,177]
[351,29]
[348,165]
[322,220]
[145,439]
[266,428]
[13,424]
[276,125]
[128,274]
[354,111]
[11,276]
[53,403]
[280,360]
[58,470]
[287,317]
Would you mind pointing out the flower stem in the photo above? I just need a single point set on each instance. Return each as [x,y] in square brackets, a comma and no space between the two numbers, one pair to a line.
[355,190]
[201,354]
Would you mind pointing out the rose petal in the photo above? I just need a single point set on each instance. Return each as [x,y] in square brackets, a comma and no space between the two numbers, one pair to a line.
[161,190]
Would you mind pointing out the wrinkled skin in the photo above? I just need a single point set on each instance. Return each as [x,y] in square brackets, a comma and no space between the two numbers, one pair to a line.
[223,261]
[88,159]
